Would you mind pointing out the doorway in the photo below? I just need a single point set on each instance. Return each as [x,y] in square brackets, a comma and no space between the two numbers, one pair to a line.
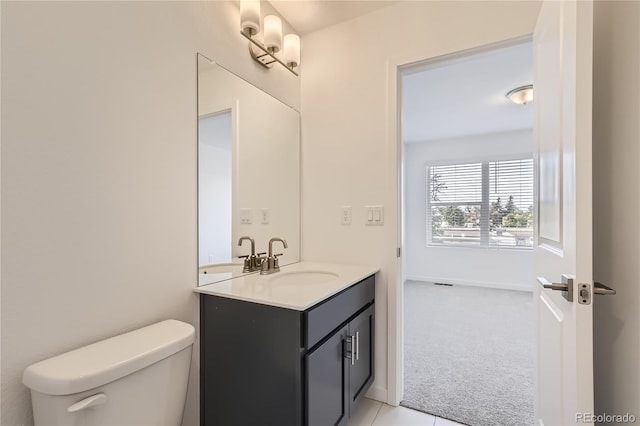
[215,171]
[467,225]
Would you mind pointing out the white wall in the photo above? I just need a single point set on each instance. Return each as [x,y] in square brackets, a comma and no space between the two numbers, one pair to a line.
[99,196]
[214,188]
[616,178]
[500,268]
[347,156]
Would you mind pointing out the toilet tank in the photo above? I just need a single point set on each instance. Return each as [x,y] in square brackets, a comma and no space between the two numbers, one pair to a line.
[138,378]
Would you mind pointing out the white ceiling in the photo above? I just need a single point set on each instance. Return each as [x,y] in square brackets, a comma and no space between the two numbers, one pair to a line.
[306,16]
[466,96]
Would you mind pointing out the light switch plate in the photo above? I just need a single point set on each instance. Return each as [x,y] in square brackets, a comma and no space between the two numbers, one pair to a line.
[345,216]
[374,216]
[246,216]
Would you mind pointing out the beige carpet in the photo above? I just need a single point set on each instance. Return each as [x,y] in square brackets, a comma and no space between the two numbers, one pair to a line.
[469,353]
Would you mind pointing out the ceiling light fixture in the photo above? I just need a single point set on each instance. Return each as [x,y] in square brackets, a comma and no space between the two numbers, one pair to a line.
[264,52]
[521,95]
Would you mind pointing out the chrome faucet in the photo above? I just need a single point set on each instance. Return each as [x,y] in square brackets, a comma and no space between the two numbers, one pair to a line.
[253,261]
[270,264]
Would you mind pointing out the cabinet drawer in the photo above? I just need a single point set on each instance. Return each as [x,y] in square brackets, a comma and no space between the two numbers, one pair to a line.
[327,316]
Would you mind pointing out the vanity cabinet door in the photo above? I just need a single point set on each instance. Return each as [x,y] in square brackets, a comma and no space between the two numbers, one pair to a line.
[361,371]
[327,382]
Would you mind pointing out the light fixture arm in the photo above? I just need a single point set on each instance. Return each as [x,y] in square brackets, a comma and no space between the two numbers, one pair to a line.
[259,58]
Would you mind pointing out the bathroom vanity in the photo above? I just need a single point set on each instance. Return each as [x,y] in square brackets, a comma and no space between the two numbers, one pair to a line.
[293,348]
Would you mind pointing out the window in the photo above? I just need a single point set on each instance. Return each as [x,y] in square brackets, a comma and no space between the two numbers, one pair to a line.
[484,204]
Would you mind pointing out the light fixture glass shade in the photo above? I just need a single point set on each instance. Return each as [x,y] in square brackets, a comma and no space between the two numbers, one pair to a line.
[291,50]
[250,16]
[521,95]
[273,33]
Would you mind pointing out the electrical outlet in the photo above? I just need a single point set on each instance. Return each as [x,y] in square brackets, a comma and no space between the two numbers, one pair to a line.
[345,217]
[246,216]
[265,216]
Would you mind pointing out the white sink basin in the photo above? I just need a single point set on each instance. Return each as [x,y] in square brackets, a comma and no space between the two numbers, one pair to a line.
[302,278]
[220,268]
[209,274]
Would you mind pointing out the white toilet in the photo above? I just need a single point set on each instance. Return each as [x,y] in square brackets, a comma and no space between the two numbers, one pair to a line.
[138,378]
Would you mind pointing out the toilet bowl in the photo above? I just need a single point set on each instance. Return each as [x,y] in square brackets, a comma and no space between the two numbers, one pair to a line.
[138,378]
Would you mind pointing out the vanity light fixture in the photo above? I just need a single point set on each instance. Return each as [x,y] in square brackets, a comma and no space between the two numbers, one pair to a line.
[264,52]
[291,53]
[521,95]
[272,33]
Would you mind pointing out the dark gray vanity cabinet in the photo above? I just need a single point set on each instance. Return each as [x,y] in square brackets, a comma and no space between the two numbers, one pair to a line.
[361,370]
[340,371]
[266,365]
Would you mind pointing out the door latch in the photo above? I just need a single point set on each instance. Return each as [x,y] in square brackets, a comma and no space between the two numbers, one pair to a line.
[598,288]
[584,294]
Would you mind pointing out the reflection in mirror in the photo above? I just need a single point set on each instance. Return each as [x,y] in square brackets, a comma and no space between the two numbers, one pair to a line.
[248,174]
[214,166]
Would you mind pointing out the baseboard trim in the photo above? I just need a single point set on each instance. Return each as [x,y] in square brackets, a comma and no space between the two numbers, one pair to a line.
[502,286]
[377,393]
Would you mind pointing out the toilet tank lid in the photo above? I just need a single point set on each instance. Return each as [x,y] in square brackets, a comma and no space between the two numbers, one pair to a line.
[107,360]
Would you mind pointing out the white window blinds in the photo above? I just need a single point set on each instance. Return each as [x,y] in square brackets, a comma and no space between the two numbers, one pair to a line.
[480,204]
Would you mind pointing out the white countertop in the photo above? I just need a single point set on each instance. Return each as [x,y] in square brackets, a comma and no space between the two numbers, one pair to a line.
[290,288]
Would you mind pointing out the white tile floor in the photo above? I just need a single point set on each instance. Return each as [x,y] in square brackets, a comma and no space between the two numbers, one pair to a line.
[374,413]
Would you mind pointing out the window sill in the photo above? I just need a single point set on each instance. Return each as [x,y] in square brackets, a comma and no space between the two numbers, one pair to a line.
[479,247]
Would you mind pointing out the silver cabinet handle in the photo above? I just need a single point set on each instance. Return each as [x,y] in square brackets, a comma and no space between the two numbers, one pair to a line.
[351,354]
[353,350]
[357,345]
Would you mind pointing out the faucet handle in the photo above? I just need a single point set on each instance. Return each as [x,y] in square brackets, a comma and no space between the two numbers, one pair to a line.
[247,263]
[258,259]
[276,264]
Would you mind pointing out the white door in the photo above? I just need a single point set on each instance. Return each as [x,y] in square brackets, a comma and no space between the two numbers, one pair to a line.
[563,73]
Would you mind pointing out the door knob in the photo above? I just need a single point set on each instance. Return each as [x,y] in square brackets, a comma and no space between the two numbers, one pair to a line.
[566,286]
[553,286]
[584,290]
[599,288]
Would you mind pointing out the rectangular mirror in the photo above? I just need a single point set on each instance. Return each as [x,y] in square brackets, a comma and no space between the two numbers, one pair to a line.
[248,174]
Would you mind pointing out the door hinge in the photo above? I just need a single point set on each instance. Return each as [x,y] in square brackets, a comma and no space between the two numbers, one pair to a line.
[398,251]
